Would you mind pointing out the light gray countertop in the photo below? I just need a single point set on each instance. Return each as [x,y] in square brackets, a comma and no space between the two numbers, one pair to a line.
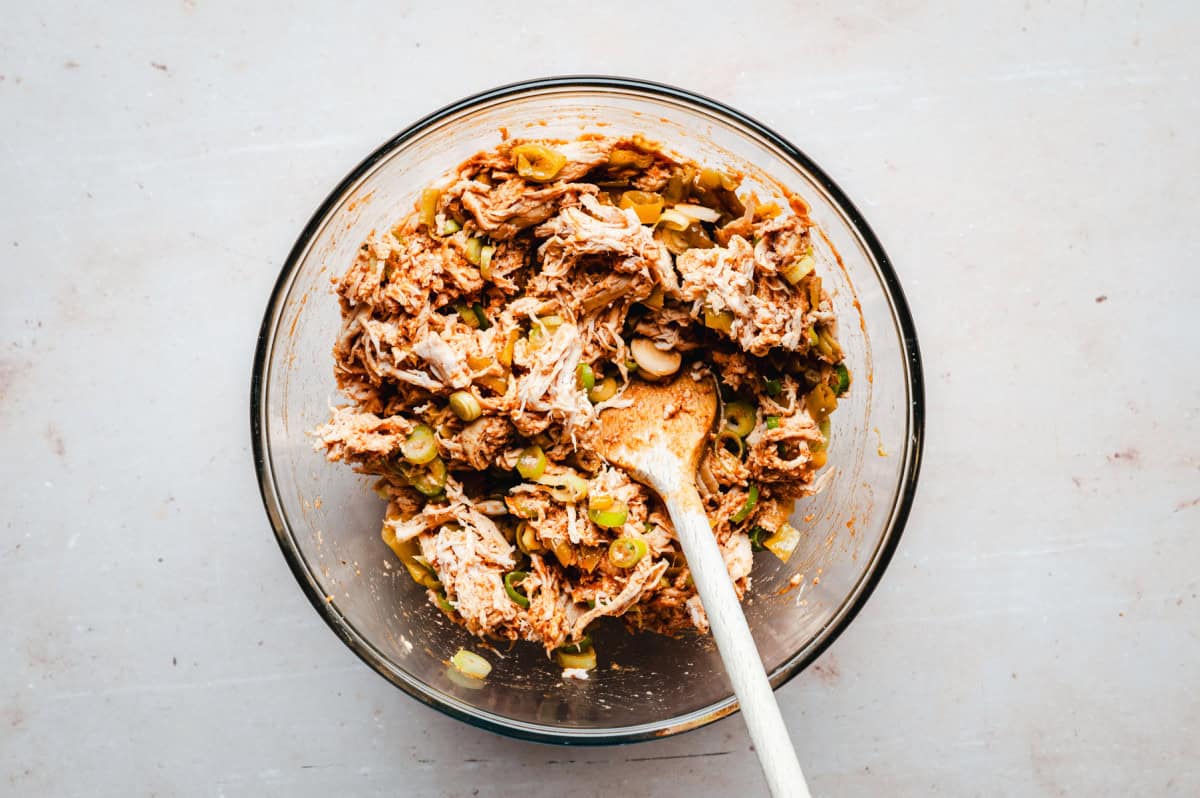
[1032,170]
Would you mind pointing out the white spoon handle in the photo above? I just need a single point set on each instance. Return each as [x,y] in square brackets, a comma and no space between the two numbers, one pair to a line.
[736,645]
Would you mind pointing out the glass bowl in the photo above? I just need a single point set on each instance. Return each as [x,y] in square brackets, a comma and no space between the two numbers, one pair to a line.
[327,519]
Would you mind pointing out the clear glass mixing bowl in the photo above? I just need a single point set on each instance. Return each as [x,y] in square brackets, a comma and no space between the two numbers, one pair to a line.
[327,519]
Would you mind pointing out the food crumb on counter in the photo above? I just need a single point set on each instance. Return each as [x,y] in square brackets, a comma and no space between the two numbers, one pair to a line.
[575,673]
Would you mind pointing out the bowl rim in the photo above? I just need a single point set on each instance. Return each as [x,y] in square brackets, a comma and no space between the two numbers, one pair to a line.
[616,735]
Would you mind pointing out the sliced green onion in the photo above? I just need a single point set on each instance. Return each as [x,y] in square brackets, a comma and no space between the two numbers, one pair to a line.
[468,315]
[757,535]
[531,463]
[420,446]
[843,375]
[465,405]
[484,324]
[733,443]
[627,552]
[450,227]
[519,506]
[740,418]
[543,327]
[485,261]
[748,507]
[813,338]
[578,647]
[527,539]
[468,663]
[431,480]
[783,542]
[774,387]
[827,346]
[772,422]
[604,391]
[444,603]
[472,250]
[797,270]
[586,377]
[585,660]
[612,518]
[511,580]
[567,488]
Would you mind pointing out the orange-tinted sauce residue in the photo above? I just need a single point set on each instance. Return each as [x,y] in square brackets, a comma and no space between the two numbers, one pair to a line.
[363,200]
[296,318]
[792,584]
[503,133]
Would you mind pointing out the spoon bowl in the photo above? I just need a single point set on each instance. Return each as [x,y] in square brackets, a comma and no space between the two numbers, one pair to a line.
[658,437]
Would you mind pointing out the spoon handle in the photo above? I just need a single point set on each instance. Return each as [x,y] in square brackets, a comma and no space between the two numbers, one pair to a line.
[736,645]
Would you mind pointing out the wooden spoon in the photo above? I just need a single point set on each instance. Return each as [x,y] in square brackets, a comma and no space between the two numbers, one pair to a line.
[659,440]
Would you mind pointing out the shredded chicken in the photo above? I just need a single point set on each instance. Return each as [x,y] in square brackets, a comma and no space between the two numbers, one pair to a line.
[484,333]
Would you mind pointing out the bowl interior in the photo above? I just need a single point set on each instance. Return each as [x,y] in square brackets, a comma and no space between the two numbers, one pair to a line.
[328,519]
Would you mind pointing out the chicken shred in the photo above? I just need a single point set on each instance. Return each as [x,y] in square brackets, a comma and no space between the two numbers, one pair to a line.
[506,324]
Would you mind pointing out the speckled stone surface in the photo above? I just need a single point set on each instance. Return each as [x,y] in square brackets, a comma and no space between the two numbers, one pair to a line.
[1030,167]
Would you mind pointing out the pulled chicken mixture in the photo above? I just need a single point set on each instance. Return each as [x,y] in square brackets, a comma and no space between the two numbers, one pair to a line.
[483,334]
